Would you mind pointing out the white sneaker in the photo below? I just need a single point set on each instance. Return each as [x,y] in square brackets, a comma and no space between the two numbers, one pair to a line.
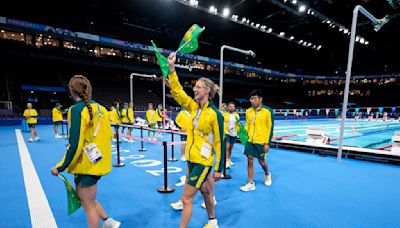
[37,138]
[183,158]
[131,141]
[150,138]
[30,139]
[268,179]
[212,224]
[111,223]
[178,206]
[57,136]
[114,140]
[154,139]
[230,161]
[203,205]
[248,187]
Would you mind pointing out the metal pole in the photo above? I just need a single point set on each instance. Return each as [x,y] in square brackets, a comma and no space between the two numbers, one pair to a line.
[131,87]
[119,164]
[141,142]
[378,23]
[165,188]
[221,66]
[138,75]
[163,101]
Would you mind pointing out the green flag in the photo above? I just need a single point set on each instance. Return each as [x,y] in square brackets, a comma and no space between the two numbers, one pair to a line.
[242,133]
[74,203]
[162,61]
[190,41]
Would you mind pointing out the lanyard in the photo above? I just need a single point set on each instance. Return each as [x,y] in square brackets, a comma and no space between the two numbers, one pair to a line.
[98,123]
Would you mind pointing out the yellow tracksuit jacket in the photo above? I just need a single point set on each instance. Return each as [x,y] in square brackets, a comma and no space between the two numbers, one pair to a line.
[209,129]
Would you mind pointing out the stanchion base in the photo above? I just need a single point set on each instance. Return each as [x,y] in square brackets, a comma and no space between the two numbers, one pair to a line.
[226,176]
[162,189]
[142,149]
[173,159]
[119,165]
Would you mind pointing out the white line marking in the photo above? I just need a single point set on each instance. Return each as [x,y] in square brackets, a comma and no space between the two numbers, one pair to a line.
[39,209]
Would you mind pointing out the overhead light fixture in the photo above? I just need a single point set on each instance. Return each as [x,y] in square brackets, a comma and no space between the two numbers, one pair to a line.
[291,38]
[226,12]
[281,34]
[294,2]
[302,8]
[269,30]
[193,2]
[213,10]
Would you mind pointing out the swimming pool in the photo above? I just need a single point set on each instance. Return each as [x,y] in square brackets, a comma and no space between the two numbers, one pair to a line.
[374,134]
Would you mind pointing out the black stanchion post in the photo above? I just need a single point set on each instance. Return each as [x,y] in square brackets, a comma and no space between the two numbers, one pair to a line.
[225,176]
[141,142]
[62,128]
[165,188]
[119,164]
[172,159]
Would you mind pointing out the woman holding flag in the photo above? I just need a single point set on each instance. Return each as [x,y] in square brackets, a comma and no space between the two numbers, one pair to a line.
[205,139]
[88,156]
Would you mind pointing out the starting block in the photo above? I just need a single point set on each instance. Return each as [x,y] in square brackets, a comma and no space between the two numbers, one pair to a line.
[396,142]
[317,136]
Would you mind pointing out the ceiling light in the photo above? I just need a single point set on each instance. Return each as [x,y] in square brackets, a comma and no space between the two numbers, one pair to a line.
[226,12]
[213,9]
[302,8]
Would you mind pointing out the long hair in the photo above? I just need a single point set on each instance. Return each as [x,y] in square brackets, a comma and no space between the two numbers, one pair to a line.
[80,86]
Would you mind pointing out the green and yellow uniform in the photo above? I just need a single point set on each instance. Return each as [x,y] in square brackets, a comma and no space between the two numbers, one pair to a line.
[205,135]
[124,116]
[116,117]
[159,117]
[57,116]
[32,119]
[151,118]
[81,134]
[182,121]
[259,126]
[131,115]
[231,126]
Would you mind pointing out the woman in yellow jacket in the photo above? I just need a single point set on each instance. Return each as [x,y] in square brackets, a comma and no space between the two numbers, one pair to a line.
[89,124]
[131,116]
[116,119]
[205,138]
[125,117]
[31,116]
[182,121]
[151,121]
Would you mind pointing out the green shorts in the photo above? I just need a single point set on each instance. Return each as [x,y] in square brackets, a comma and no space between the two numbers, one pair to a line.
[230,139]
[159,123]
[86,180]
[197,174]
[31,125]
[254,150]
